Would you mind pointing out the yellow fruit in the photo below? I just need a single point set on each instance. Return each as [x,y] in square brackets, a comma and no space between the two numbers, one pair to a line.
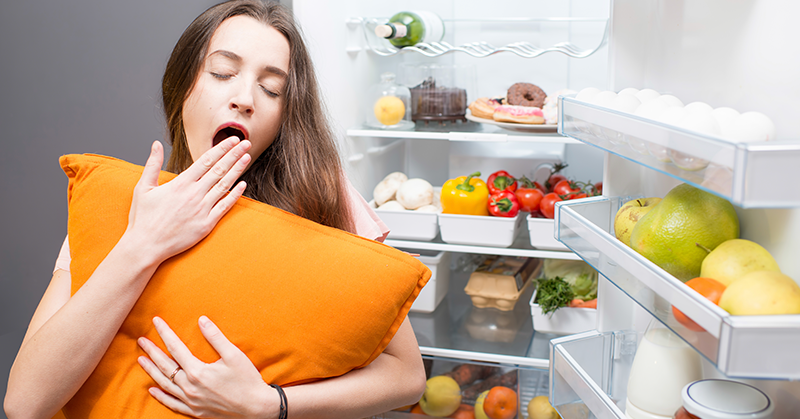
[539,408]
[442,396]
[629,214]
[479,412]
[761,292]
[735,258]
[389,110]
[675,232]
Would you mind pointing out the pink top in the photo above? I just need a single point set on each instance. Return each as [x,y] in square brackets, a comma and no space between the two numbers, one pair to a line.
[368,225]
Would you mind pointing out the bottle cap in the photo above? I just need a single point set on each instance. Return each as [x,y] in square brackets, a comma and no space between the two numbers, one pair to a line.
[384,31]
[725,399]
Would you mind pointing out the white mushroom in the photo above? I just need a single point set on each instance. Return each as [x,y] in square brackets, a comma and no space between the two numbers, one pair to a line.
[386,189]
[391,206]
[427,208]
[415,193]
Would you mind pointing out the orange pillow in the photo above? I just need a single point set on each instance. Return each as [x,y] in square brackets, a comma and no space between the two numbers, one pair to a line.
[302,300]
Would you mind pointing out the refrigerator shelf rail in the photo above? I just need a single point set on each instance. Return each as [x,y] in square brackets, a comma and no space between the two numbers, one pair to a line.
[743,173]
[740,346]
[590,373]
[476,49]
[469,131]
[521,247]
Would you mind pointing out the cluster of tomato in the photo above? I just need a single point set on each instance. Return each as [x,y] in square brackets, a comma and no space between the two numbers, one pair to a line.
[509,195]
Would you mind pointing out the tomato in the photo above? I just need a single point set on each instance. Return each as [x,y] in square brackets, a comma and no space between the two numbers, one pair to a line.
[580,195]
[567,189]
[529,198]
[598,189]
[547,206]
[553,180]
[707,287]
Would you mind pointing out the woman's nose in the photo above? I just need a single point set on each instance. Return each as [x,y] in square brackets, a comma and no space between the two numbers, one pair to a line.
[243,102]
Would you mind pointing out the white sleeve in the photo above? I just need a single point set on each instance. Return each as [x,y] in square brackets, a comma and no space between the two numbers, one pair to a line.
[64,258]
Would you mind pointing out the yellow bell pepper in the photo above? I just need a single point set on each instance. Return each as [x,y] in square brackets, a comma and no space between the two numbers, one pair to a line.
[467,195]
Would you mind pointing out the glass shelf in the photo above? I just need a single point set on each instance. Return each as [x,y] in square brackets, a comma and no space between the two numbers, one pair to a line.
[520,247]
[462,131]
[382,47]
[590,373]
[740,346]
[459,330]
[743,173]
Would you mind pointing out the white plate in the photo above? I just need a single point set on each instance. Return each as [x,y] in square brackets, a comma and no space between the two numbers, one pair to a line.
[527,128]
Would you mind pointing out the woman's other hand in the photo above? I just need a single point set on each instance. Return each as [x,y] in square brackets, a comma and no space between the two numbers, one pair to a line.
[173,217]
[228,388]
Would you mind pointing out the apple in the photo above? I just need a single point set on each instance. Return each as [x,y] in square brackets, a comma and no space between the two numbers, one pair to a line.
[629,214]
[442,396]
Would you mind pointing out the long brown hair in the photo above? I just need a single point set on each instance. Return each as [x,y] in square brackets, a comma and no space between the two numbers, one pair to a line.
[301,171]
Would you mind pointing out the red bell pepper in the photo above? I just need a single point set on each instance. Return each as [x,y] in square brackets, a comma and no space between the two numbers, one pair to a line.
[503,204]
[501,181]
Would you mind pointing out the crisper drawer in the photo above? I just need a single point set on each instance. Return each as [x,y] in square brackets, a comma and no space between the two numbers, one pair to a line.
[477,377]
[740,346]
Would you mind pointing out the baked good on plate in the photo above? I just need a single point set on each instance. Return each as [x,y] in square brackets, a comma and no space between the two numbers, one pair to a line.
[518,114]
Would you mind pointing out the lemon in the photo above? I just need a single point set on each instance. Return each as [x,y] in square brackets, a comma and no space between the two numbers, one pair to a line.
[677,231]
[389,110]
[539,408]
[479,412]
[761,292]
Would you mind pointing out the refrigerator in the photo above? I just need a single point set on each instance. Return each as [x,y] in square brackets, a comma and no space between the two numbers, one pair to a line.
[741,55]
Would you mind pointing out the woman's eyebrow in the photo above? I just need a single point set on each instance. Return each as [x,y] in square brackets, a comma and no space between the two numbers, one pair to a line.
[235,57]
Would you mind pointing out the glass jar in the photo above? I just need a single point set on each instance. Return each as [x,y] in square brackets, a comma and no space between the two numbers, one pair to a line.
[388,105]
[723,399]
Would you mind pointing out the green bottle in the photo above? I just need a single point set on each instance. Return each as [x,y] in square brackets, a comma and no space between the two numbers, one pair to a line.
[407,29]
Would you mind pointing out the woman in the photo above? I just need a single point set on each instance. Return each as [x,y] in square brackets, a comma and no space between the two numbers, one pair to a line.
[241,103]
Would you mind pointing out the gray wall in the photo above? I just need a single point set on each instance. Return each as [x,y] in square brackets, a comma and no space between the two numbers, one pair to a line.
[78,76]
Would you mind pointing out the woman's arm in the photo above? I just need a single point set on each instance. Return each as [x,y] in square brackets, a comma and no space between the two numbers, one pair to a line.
[68,336]
[232,386]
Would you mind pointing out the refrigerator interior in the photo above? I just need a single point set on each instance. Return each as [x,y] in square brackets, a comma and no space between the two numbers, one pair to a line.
[741,55]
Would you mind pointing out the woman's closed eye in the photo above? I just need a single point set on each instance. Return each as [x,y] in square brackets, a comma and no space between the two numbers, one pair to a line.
[269,92]
[220,76]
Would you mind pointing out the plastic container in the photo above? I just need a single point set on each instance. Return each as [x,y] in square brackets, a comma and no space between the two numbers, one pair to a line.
[724,399]
[565,320]
[480,230]
[408,224]
[388,105]
[500,280]
[439,92]
[541,232]
[436,288]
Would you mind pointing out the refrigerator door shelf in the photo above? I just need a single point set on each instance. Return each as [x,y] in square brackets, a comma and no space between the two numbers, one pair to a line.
[590,373]
[743,173]
[739,346]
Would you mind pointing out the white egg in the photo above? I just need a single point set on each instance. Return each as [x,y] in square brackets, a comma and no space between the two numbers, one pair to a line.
[753,126]
[604,98]
[672,115]
[587,94]
[703,123]
[725,118]
[671,100]
[701,108]
[645,95]
[652,109]
[625,103]
[628,91]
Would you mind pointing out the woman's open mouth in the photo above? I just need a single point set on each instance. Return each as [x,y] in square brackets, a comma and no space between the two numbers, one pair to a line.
[227,132]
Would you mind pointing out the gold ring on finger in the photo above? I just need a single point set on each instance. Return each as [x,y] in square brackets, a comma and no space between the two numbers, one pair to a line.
[172,376]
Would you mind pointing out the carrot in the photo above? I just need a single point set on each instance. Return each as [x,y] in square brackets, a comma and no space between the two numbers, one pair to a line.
[588,304]
[576,302]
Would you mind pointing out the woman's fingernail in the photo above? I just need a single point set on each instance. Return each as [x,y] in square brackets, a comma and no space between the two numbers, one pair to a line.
[204,321]
[140,341]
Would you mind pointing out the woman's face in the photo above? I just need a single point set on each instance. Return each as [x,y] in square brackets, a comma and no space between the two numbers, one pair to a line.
[240,88]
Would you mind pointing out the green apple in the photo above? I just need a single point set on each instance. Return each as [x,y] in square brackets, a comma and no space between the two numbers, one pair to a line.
[629,214]
[442,396]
